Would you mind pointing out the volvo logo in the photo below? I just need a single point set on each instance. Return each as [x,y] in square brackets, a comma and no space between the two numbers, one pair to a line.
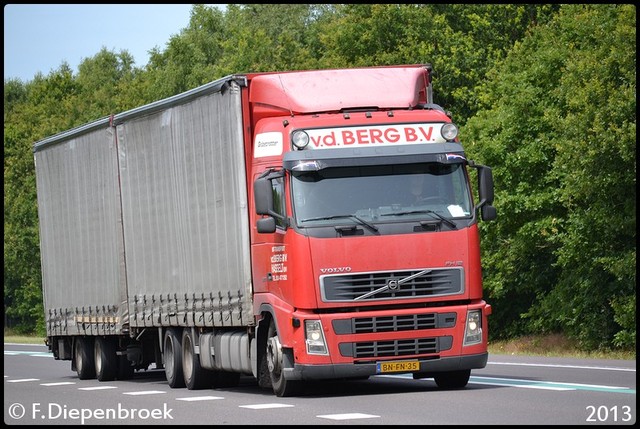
[334,270]
[392,284]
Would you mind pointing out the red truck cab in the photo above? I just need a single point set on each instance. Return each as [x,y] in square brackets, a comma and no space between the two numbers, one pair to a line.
[364,237]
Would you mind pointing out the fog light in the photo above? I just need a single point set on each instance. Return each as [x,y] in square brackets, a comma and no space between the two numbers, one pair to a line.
[473,328]
[316,345]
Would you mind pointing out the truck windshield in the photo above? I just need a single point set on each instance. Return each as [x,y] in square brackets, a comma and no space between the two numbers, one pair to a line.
[381,193]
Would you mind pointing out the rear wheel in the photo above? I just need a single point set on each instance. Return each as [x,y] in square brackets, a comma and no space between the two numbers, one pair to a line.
[106,359]
[172,357]
[195,377]
[453,379]
[84,358]
[275,363]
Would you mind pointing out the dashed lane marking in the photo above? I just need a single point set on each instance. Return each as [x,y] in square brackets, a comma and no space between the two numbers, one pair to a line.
[144,392]
[265,406]
[97,388]
[200,398]
[348,416]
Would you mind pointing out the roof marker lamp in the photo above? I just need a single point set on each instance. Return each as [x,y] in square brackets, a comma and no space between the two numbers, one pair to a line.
[300,139]
[449,131]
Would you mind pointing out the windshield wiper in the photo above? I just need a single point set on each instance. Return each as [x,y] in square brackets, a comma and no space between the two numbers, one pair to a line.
[409,212]
[351,216]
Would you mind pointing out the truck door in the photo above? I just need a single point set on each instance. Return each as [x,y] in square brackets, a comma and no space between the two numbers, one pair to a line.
[268,251]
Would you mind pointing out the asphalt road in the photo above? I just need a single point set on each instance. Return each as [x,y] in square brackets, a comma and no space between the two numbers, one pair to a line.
[511,390]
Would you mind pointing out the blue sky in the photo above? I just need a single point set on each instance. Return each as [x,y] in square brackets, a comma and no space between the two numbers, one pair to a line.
[39,37]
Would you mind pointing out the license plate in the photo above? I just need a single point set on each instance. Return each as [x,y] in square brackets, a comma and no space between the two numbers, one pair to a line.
[405,366]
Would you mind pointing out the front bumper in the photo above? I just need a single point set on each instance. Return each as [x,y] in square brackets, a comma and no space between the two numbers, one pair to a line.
[427,367]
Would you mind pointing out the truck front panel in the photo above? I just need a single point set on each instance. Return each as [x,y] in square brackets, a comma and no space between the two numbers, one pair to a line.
[377,250]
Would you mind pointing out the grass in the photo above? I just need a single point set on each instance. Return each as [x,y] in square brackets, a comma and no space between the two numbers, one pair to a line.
[554,345]
[10,337]
[550,345]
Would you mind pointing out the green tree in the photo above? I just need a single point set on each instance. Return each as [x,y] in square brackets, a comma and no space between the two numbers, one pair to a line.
[559,129]
[190,58]
[460,41]
[37,112]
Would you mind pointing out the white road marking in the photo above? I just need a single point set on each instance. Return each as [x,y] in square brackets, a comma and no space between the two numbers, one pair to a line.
[604,368]
[97,388]
[348,416]
[200,398]
[144,392]
[265,406]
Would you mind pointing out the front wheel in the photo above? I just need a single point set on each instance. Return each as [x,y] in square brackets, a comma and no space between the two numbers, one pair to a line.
[275,363]
[453,379]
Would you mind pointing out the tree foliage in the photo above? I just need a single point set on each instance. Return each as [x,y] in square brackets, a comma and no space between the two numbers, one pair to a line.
[545,95]
[559,128]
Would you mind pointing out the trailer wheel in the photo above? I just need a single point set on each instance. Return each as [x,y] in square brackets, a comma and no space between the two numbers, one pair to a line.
[453,379]
[195,376]
[275,362]
[173,357]
[84,359]
[106,359]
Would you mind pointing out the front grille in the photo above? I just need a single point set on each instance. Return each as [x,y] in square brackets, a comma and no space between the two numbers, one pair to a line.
[385,285]
[409,322]
[395,348]
[394,323]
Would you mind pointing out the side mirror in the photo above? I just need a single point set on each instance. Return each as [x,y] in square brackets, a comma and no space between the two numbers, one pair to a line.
[263,196]
[485,192]
[488,212]
[485,185]
[266,225]
[264,201]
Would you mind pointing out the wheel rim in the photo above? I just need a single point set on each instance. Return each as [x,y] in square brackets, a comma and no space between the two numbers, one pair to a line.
[274,355]
[168,365]
[187,361]
[79,362]
[98,352]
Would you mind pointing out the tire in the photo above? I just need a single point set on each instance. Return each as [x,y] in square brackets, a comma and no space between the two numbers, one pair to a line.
[275,363]
[453,379]
[106,359]
[84,358]
[172,357]
[195,377]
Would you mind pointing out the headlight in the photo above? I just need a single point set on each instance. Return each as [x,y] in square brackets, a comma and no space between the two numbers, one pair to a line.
[300,139]
[449,132]
[314,336]
[473,328]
